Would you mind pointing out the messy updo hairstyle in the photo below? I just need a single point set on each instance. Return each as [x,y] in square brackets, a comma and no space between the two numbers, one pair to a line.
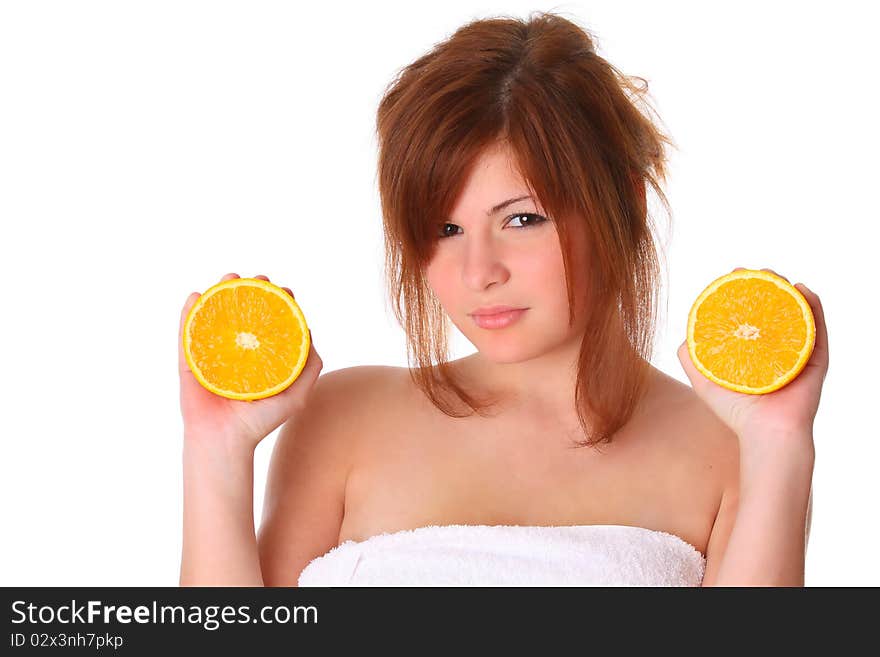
[581,135]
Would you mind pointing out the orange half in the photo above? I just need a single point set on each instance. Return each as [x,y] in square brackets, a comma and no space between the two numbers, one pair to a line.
[751,331]
[246,339]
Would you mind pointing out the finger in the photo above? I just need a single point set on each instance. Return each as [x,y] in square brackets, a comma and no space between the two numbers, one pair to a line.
[310,373]
[229,277]
[314,361]
[773,272]
[288,290]
[182,365]
[820,349]
[262,277]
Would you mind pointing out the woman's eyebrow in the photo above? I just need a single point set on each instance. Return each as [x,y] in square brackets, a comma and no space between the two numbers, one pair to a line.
[504,204]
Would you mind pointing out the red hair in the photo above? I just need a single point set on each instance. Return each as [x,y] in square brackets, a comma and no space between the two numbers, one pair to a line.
[587,151]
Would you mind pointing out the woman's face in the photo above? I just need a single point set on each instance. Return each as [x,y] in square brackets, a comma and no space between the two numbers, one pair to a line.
[509,257]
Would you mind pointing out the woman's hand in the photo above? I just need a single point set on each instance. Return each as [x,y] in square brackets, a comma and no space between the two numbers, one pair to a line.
[788,411]
[232,424]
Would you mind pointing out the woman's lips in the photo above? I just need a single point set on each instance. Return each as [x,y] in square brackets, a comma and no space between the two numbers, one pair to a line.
[498,320]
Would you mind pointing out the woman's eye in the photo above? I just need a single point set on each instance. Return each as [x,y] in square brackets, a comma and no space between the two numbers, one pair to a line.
[535,218]
[531,220]
[444,233]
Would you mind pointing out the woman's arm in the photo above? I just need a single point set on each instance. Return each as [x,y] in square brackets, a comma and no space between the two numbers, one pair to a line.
[767,543]
[766,510]
[219,541]
[220,437]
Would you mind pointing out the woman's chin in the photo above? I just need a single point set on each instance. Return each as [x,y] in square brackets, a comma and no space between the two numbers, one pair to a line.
[508,352]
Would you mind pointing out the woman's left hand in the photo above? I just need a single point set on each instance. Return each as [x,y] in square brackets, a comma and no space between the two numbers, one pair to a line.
[788,411]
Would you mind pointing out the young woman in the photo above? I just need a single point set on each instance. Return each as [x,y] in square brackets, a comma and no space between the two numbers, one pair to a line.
[513,168]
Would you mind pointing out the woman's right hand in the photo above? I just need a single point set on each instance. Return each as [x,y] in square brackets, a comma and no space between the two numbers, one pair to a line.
[216,422]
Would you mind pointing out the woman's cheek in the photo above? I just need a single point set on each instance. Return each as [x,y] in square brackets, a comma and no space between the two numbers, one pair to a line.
[440,281]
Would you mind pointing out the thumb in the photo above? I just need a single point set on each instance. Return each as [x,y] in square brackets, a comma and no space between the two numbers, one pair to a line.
[684,357]
[182,365]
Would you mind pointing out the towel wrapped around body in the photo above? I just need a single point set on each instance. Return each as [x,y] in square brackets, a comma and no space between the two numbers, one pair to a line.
[511,555]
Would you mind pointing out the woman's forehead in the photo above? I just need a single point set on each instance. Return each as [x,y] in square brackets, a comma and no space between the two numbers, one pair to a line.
[492,184]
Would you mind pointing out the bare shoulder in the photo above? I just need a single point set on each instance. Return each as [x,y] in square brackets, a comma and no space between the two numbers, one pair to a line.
[343,408]
[370,381]
[342,403]
[356,390]
[718,447]
[698,440]
[304,501]
[702,430]
[364,392]
[706,452]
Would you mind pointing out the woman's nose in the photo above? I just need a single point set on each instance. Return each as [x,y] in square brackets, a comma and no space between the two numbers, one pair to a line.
[483,265]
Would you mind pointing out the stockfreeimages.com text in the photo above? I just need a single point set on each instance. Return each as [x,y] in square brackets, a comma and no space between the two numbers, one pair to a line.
[210,617]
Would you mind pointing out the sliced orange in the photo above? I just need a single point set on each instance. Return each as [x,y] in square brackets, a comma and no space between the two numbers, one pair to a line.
[751,331]
[246,339]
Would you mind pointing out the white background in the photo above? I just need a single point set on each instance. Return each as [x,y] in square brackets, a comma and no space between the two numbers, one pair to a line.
[148,148]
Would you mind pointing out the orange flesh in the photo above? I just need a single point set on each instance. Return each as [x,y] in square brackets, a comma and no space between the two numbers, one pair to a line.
[245,339]
[750,332]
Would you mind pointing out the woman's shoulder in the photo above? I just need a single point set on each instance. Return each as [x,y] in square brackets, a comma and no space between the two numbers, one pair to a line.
[696,429]
[362,385]
[365,391]
[685,408]
[375,381]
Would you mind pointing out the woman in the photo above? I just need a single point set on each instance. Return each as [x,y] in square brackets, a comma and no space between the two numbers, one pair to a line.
[513,167]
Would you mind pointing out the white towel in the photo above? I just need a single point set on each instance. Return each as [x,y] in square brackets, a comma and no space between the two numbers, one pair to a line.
[511,555]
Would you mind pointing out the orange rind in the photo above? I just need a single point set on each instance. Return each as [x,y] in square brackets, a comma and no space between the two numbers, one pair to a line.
[751,331]
[246,339]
